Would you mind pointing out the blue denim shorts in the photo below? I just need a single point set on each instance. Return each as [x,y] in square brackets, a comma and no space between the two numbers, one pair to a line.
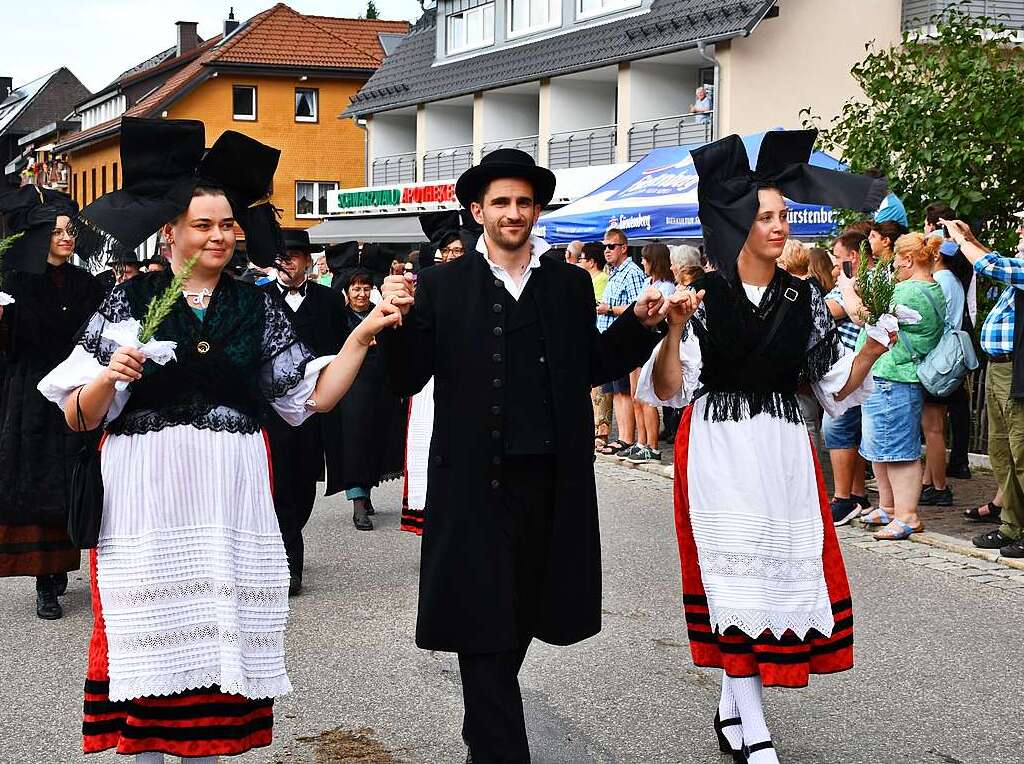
[891,425]
[843,432]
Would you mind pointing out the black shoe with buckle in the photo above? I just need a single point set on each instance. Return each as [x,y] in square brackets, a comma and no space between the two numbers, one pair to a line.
[992,540]
[360,517]
[755,747]
[1015,549]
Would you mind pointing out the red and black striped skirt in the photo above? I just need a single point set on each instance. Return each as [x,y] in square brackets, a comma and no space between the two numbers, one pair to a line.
[787,661]
[203,722]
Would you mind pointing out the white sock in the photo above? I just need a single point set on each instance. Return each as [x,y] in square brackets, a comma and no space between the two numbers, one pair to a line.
[746,692]
[727,710]
[149,757]
[199,760]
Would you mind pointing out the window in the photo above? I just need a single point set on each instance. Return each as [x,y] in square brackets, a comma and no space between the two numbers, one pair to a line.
[243,102]
[311,197]
[113,177]
[526,16]
[307,101]
[471,29]
[588,8]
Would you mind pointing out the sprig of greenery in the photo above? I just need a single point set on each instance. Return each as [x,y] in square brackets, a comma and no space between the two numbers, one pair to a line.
[6,244]
[160,306]
[875,285]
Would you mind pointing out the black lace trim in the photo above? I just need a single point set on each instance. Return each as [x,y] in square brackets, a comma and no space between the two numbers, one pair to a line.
[735,406]
[822,357]
[213,418]
[283,381]
[102,350]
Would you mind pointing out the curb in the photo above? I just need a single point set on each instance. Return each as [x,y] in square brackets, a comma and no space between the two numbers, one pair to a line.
[928,538]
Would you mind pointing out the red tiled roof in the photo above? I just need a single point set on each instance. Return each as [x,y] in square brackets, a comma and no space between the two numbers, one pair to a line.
[279,36]
[288,38]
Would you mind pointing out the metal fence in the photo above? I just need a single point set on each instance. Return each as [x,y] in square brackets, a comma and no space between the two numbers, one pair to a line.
[398,168]
[447,163]
[582,148]
[526,143]
[679,130]
[1008,12]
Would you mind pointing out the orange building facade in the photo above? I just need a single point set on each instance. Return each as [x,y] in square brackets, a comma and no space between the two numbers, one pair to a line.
[283,79]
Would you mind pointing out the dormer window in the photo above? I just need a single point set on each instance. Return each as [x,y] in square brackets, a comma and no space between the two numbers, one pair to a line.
[529,16]
[586,9]
[470,29]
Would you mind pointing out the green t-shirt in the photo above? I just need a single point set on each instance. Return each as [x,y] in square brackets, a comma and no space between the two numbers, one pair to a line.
[896,365]
[600,282]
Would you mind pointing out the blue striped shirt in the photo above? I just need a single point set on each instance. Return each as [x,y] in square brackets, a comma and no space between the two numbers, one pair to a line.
[997,331]
[626,283]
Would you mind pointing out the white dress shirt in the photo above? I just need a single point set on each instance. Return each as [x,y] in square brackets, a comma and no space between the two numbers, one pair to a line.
[537,248]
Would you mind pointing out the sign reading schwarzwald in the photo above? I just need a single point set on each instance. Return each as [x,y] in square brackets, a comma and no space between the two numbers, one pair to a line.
[396,198]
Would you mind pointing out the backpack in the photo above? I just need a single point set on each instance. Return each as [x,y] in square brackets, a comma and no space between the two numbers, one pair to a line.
[943,370]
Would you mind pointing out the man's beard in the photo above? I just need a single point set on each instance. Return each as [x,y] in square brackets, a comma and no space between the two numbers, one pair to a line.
[506,241]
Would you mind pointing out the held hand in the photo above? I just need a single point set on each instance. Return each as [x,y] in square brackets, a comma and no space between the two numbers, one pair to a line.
[603,309]
[397,290]
[125,365]
[648,307]
[680,307]
[875,349]
[382,317]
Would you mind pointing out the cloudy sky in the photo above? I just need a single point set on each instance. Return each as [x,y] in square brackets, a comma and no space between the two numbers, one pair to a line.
[99,39]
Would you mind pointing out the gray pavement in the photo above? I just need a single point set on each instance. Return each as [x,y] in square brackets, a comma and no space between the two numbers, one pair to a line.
[936,681]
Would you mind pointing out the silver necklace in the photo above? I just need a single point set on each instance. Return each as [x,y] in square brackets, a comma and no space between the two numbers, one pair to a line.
[197,298]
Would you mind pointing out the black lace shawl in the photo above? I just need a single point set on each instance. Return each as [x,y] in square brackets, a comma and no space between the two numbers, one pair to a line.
[242,353]
[740,383]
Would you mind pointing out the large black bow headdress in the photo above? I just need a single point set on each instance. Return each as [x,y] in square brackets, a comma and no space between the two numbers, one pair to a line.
[32,211]
[163,161]
[727,189]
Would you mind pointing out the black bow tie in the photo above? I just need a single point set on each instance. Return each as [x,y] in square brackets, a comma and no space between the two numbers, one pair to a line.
[301,289]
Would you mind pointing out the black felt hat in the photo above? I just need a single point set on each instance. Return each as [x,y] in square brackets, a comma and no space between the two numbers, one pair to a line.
[32,212]
[505,163]
[297,239]
[163,161]
[727,188]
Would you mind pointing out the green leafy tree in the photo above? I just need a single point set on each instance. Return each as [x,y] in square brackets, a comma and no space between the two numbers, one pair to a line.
[943,117]
[371,10]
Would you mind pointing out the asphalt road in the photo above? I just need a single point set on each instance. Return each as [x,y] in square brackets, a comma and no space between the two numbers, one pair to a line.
[937,678]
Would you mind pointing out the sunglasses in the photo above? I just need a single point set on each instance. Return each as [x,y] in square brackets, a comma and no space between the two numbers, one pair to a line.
[613,246]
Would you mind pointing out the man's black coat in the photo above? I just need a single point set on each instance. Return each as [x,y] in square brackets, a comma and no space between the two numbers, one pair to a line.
[456,332]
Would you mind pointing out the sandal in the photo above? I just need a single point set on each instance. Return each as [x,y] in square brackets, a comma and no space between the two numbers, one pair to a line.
[897,530]
[876,516]
[986,513]
[599,442]
[612,447]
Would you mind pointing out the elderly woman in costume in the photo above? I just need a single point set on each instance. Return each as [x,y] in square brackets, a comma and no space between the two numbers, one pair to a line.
[764,586]
[190,577]
[51,300]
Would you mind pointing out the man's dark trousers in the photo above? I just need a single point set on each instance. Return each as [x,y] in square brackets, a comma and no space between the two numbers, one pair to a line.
[494,726]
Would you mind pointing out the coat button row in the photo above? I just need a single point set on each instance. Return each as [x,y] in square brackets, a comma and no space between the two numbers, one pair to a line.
[497,383]
[497,331]
[497,283]
[495,410]
[496,357]
[497,307]
[495,484]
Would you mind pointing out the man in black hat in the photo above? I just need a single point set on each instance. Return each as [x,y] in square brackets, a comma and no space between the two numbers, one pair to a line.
[511,548]
[126,266]
[298,453]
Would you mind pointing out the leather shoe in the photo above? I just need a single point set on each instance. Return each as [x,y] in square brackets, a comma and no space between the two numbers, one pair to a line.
[369,507]
[47,606]
[294,585]
[62,583]
[1016,549]
[992,540]
[360,517]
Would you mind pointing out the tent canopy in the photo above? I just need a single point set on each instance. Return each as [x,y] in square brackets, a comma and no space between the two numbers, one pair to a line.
[657,199]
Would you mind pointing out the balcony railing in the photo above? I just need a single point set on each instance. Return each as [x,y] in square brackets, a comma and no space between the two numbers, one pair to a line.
[447,163]
[397,168]
[582,148]
[917,13]
[527,143]
[669,131]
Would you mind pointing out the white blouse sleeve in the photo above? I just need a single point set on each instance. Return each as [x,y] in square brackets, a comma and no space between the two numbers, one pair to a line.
[89,358]
[293,405]
[690,358]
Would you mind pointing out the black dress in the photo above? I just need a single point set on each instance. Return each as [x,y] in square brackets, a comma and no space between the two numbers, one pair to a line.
[371,448]
[36,447]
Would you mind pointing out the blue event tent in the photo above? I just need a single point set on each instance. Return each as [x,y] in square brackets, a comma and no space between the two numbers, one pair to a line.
[657,199]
